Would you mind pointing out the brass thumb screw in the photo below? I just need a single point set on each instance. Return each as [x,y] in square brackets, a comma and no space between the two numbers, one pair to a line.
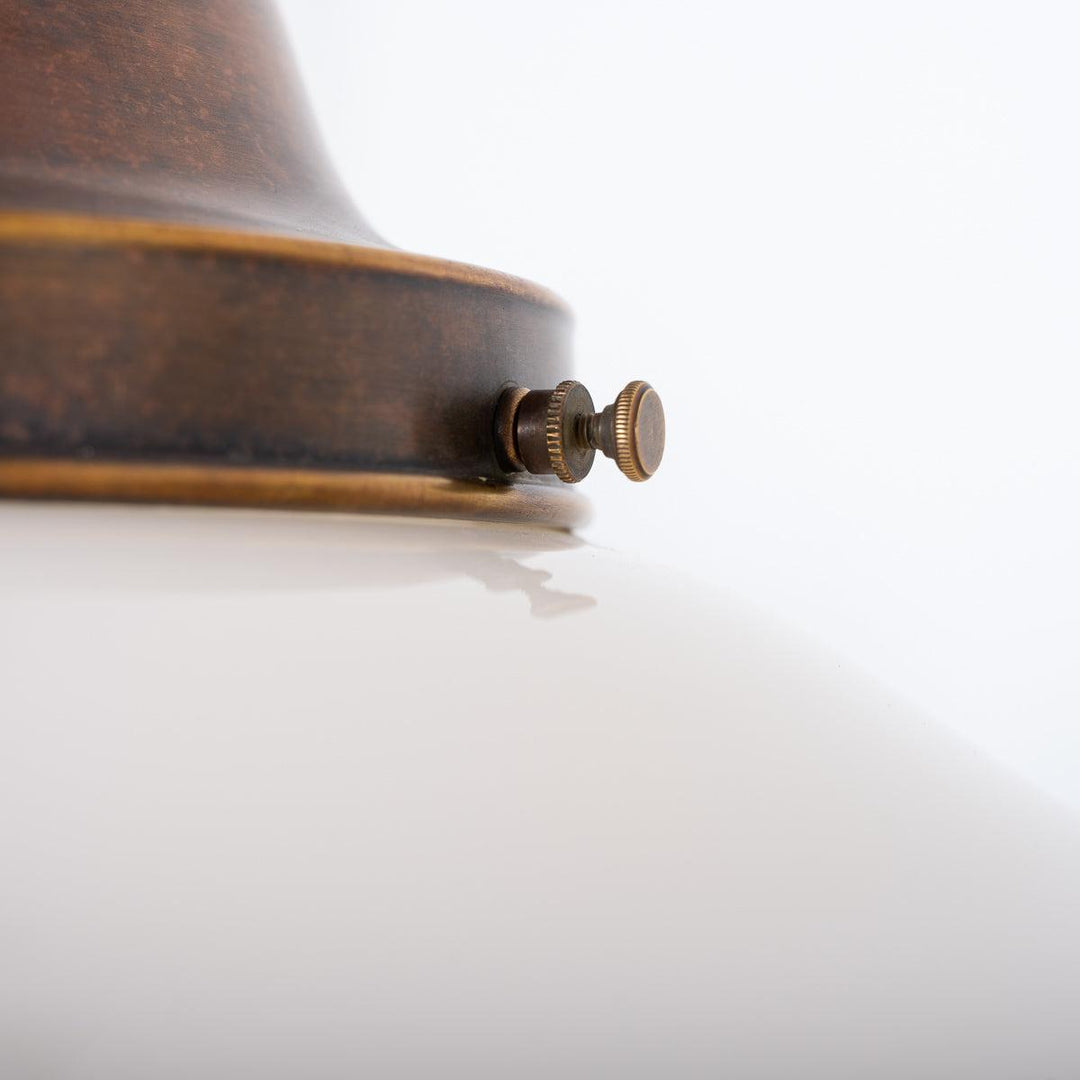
[559,431]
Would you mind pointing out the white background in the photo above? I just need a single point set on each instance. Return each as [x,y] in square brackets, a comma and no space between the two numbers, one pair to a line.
[842,241]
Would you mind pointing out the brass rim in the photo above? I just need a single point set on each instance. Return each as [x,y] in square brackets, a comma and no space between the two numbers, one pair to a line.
[292,489]
[80,230]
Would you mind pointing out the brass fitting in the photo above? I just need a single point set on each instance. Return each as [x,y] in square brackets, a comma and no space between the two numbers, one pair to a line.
[559,431]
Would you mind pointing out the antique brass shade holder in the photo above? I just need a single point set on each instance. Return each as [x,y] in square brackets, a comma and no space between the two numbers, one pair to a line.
[192,310]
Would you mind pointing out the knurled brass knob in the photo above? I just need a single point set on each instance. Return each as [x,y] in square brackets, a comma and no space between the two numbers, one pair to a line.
[559,431]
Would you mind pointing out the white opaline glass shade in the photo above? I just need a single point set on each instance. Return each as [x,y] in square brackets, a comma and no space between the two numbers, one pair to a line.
[304,796]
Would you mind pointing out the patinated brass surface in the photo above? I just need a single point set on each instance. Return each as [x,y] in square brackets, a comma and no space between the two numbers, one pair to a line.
[192,309]
[186,284]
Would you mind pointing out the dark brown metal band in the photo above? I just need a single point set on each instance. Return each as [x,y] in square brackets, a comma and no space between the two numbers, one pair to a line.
[131,342]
